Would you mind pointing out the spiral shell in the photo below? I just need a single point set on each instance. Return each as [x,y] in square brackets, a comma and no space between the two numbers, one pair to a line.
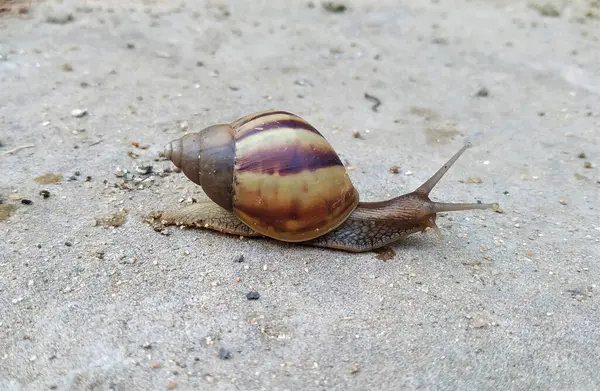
[273,170]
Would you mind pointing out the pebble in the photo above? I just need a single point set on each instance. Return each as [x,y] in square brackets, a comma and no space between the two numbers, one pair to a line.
[252,295]
[143,170]
[58,17]
[78,113]
[239,258]
[26,201]
[483,92]
[224,354]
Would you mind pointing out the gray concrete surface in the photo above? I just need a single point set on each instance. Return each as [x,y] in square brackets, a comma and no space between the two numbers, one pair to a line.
[507,301]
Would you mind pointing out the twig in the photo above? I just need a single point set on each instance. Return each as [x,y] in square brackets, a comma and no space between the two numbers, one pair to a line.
[13,151]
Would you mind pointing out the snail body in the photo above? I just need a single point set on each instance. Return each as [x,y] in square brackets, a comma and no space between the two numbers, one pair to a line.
[273,174]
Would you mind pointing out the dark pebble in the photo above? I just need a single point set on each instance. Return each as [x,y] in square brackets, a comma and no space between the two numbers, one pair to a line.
[224,354]
[45,193]
[77,173]
[68,244]
[88,178]
[26,201]
[483,92]
[505,192]
[239,258]
[334,7]
[253,295]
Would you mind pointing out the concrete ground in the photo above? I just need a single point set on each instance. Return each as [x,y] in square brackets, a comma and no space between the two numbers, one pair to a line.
[93,298]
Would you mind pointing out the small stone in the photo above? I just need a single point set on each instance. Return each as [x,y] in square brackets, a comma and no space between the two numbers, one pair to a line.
[239,258]
[119,172]
[394,169]
[143,170]
[78,113]
[581,155]
[330,6]
[563,202]
[587,164]
[252,295]
[68,244]
[483,92]
[26,201]
[224,354]
[58,17]
[67,68]
[480,323]
[171,385]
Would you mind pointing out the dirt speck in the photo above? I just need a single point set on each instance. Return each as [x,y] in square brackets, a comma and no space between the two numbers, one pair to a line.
[441,134]
[48,179]
[547,9]
[6,210]
[385,253]
[111,220]
[425,113]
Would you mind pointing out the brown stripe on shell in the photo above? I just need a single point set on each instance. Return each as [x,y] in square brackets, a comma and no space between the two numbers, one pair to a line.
[251,117]
[271,120]
[292,159]
[295,207]
[273,124]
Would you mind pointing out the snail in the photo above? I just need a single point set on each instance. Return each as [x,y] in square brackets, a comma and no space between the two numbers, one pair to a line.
[272,174]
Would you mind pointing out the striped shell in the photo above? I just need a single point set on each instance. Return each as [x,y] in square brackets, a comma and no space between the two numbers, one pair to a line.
[274,170]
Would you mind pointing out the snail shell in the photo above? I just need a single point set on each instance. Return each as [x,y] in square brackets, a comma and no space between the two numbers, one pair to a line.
[273,170]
